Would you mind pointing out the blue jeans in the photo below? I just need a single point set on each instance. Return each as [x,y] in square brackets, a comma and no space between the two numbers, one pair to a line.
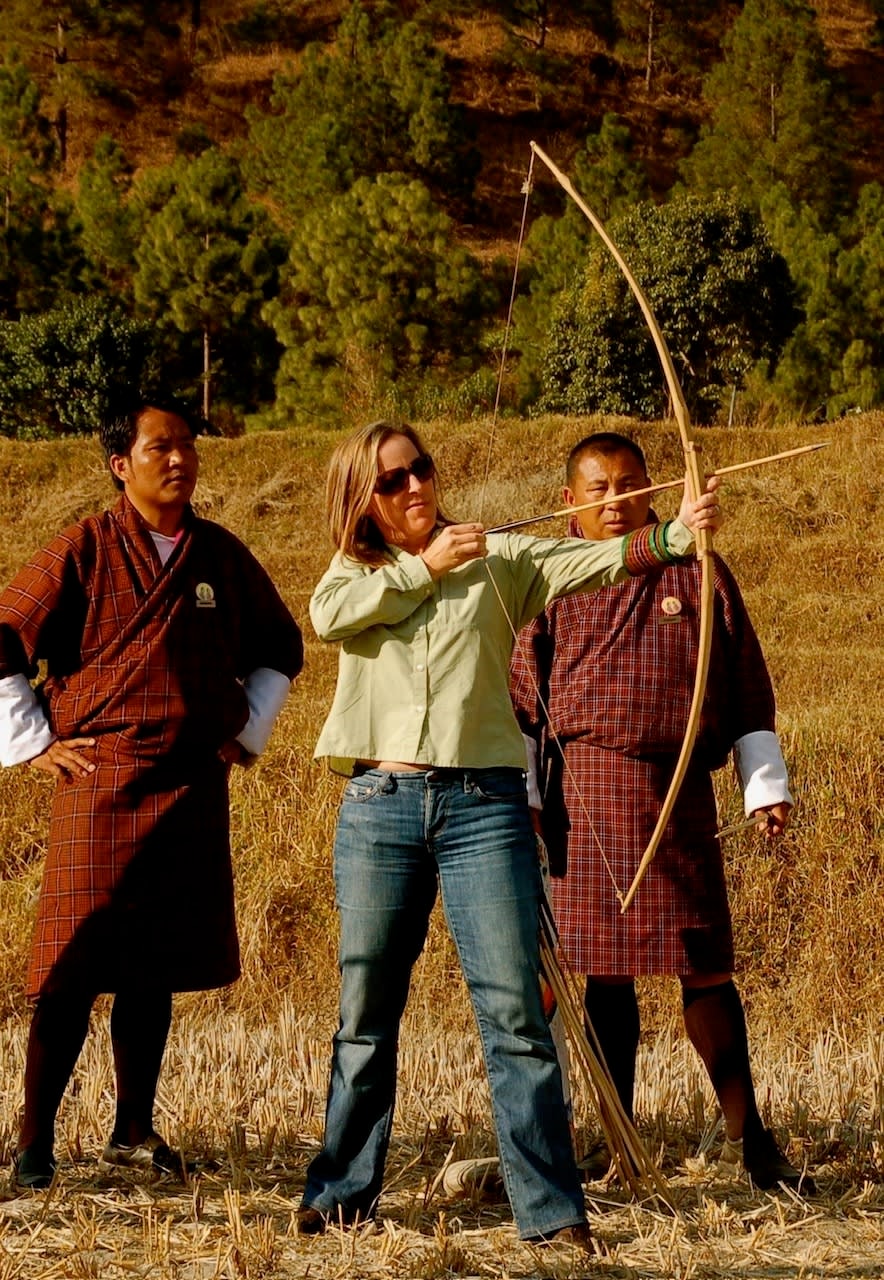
[398,832]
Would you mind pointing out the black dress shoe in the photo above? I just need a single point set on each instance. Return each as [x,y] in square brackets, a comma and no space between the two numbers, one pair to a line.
[768,1167]
[32,1170]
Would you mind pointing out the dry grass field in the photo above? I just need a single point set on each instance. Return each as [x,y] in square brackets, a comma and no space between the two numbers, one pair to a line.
[243,1088]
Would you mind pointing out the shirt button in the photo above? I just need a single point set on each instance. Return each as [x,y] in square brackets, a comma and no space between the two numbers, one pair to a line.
[420,666]
[420,707]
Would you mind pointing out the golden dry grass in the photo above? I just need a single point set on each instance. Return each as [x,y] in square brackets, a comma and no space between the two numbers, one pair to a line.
[245,1077]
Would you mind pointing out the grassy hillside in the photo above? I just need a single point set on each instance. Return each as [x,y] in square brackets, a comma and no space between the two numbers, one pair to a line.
[805,539]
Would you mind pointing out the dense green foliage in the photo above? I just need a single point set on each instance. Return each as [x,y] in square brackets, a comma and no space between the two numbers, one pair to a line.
[377,102]
[834,363]
[329,256]
[720,292]
[775,114]
[61,370]
[611,179]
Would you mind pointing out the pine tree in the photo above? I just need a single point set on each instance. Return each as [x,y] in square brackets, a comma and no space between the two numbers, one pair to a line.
[532,20]
[377,102]
[108,222]
[39,253]
[375,289]
[88,49]
[775,116]
[206,263]
[664,36]
[27,150]
[835,359]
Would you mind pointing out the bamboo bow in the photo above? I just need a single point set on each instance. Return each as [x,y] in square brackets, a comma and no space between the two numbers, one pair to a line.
[703,539]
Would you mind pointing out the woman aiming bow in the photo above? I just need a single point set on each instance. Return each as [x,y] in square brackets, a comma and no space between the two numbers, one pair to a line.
[423,609]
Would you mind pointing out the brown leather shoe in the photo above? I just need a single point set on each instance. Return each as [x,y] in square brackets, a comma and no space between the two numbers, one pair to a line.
[577,1237]
[310,1221]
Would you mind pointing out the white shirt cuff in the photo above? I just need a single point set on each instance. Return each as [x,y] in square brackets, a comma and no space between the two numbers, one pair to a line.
[762,771]
[534,799]
[266,690]
[24,729]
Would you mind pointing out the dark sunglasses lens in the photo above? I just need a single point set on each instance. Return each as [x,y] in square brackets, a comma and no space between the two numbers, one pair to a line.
[396,480]
[391,482]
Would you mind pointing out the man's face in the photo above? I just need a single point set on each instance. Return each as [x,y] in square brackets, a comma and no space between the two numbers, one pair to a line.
[160,471]
[597,478]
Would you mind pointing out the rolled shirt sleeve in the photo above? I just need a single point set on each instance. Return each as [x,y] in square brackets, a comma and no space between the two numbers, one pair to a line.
[24,729]
[266,691]
[762,770]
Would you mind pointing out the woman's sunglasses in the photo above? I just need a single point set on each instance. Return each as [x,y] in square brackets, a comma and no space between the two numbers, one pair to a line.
[396,479]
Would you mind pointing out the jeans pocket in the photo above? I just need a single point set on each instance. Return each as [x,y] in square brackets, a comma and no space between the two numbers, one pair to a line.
[366,787]
[499,784]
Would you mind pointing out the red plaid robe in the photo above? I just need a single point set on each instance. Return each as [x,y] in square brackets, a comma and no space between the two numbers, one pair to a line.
[616,669]
[148,660]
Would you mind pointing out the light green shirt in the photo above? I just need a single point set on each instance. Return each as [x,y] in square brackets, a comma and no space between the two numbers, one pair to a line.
[423,675]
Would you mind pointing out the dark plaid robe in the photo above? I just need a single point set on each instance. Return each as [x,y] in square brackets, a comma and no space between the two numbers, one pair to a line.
[616,669]
[148,660]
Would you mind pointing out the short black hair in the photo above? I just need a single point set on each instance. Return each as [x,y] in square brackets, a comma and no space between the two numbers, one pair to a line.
[119,427]
[605,444]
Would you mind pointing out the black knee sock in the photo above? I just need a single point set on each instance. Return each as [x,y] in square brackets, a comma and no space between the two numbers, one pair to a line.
[58,1030]
[716,1026]
[612,1009]
[140,1023]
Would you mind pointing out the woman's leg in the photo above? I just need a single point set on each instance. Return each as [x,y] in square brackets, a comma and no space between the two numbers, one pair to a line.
[486,853]
[385,887]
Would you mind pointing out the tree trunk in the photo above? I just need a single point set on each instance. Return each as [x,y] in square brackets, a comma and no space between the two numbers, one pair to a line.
[61,115]
[543,19]
[195,23]
[649,54]
[207,355]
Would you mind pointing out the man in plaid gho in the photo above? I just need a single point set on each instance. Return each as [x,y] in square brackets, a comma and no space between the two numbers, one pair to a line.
[168,654]
[615,670]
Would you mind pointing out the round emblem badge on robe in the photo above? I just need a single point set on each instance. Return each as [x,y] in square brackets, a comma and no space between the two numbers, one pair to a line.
[205,596]
[671,608]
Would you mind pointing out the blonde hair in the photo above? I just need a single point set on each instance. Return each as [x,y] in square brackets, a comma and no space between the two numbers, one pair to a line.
[352,475]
